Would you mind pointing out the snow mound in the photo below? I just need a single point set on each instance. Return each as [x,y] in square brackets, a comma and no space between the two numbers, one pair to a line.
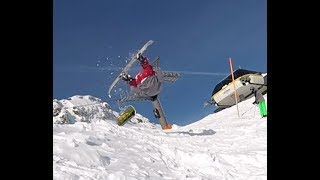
[81,109]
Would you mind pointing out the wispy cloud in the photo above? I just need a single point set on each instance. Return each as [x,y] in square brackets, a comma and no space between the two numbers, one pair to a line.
[88,69]
[201,73]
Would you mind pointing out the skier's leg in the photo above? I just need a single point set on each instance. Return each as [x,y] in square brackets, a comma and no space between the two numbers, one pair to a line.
[159,114]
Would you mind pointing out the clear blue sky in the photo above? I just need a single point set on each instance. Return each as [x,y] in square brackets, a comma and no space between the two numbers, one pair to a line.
[91,40]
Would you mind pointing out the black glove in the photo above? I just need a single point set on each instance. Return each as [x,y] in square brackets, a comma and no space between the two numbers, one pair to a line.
[140,58]
[125,77]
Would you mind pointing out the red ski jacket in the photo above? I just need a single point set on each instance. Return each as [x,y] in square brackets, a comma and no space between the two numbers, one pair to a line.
[146,71]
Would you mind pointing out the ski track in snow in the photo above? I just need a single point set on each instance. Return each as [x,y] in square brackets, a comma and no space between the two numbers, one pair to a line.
[219,146]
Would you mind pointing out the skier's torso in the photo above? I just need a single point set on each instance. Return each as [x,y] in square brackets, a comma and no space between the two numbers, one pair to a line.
[145,73]
[146,82]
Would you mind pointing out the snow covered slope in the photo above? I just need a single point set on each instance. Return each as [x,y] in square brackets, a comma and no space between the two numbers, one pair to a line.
[81,108]
[219,146]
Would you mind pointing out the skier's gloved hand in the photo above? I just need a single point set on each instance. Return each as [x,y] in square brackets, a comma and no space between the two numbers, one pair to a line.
[143,61]
[125,77]
[138,56]
[141,58]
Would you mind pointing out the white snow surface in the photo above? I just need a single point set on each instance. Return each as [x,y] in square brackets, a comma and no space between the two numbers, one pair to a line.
[219,146]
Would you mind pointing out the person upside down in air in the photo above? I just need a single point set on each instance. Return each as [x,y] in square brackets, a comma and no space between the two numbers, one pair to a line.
[147,82]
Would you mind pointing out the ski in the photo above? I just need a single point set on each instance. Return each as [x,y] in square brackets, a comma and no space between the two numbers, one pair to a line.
[129,65]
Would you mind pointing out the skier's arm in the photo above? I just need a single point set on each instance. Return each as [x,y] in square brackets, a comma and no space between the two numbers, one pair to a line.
[146,66]
[129,80]
[132,82]
[144,62]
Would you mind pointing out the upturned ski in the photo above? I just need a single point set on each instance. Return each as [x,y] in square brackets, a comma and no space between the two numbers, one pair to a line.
[126,115]
[128,66]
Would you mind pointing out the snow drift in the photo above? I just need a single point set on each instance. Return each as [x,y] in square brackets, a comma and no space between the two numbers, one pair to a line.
[87,144]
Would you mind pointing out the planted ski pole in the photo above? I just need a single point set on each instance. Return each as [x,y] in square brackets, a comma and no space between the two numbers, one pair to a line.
[234,86]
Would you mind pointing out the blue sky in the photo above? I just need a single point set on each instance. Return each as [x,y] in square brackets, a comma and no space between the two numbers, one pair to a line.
[93,39]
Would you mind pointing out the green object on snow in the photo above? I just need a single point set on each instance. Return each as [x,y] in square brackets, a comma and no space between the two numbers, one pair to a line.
[126,115]
[263,109]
